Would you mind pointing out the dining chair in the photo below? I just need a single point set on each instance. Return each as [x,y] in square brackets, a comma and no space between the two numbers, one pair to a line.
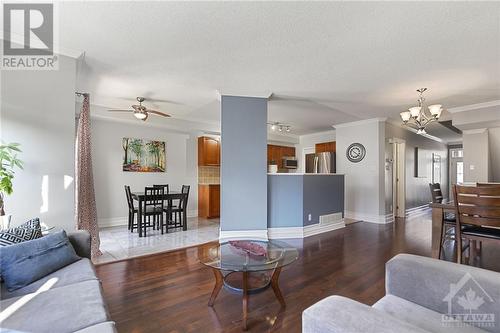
[132,210]
[153,207]
[478,214]
[449,220]
[180,210]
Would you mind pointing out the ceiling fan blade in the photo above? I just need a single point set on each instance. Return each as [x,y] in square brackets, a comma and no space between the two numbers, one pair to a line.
[120,110]
[136,107]
[158,113]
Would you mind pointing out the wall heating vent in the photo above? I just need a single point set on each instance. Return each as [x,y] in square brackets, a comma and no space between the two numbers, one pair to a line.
[330,218]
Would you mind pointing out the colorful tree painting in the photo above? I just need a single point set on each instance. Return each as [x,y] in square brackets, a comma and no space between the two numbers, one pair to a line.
[140,155]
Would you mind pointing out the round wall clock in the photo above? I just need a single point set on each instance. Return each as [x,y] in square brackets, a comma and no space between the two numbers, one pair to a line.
[355,152]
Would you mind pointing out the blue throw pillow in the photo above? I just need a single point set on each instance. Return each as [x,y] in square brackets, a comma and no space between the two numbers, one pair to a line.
[29,261]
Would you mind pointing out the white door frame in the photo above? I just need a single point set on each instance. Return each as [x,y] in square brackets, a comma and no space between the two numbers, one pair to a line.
[398,177]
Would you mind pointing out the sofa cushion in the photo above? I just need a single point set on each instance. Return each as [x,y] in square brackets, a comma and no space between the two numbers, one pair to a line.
[419,316]
[106,327]
[81,270]
[337,314]
[64,309]
[29,261]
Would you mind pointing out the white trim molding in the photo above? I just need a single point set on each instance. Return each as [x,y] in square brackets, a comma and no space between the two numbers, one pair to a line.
[415,212]
[303,232]
[474,106]
[372,218]
[360,122]
[225,235]
[475,131]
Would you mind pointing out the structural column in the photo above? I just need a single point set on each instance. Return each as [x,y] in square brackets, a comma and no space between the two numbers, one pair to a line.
[243,167]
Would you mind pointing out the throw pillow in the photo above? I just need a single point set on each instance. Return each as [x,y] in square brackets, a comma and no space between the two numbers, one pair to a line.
[29,261]
[27,231]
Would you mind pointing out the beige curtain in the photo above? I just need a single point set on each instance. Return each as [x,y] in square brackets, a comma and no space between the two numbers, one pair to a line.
[85,210]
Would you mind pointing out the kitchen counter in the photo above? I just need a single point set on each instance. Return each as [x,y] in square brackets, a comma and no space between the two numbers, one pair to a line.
[302,201]
[305,174]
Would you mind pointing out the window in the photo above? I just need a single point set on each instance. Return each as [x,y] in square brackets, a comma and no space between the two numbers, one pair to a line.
[460,172]
[457,153]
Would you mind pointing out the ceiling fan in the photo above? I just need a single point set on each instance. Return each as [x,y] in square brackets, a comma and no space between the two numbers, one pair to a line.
[140,111]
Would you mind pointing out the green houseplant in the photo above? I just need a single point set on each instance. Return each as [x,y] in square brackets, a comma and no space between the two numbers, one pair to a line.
[8,163]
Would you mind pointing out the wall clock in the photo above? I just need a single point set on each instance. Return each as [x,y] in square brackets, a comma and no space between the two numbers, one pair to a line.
[356,152]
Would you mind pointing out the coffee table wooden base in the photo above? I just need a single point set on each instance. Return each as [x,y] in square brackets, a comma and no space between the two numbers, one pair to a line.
[249,285]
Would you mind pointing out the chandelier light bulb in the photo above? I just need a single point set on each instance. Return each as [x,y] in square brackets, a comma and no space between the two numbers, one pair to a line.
[280,128]
[288,128]
[415,111]
[405,116]
[435,110]
[273,127]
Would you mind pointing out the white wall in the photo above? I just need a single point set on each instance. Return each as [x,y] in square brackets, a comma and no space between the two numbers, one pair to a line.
[38,111]
[476,155]
[494,142]
[417,188]
[364,181]
[309,141]
[107,155]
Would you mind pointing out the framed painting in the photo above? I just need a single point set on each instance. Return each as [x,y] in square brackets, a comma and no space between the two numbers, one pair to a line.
[141,155]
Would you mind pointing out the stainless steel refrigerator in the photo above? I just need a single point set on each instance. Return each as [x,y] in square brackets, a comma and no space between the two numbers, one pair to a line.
[320,163]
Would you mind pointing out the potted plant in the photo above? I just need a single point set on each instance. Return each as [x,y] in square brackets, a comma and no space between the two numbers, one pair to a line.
[8,163]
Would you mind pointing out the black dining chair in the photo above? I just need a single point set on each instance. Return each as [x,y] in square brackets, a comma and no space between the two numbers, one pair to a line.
[180,209]
[132,210]
[152,207]
[449,220]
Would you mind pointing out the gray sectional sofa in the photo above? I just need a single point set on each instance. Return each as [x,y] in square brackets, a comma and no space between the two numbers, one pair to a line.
[420,294]
[68,300]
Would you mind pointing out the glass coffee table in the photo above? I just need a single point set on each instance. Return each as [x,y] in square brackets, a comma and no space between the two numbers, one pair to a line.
[247,267]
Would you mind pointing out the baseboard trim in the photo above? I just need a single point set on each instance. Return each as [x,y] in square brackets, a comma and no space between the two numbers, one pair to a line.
[372,218]
[225,235]
[123,220]
[415,212]
[306,231]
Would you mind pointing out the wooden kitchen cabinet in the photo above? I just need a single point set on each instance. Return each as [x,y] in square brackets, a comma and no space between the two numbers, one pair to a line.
[276,153]
[209,200]
[208,151]
[326,147]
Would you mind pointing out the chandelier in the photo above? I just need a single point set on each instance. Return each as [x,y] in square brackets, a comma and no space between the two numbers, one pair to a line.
[416,117]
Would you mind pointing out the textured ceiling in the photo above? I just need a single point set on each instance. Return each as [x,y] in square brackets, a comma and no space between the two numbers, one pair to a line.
[325,62]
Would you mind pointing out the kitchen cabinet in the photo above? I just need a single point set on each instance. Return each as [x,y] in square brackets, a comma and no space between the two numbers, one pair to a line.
[209,200]
[326,147]
[276,153]
[208,151]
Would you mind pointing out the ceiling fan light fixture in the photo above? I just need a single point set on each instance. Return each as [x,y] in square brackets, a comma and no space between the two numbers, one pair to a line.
[141,115]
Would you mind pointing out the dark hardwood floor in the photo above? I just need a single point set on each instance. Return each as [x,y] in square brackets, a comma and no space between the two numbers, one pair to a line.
[169,292]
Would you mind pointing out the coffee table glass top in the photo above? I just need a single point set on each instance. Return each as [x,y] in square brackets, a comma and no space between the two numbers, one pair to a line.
[248,255]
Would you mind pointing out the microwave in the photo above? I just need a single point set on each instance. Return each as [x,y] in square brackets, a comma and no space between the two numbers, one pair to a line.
[290,163]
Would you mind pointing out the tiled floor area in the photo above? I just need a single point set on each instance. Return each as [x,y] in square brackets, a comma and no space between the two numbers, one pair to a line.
[119,243]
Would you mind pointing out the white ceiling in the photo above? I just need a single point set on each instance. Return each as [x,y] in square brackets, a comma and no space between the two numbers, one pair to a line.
[325,62]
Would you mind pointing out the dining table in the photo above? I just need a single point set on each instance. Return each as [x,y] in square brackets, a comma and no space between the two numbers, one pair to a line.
[169,197]
[438,211]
